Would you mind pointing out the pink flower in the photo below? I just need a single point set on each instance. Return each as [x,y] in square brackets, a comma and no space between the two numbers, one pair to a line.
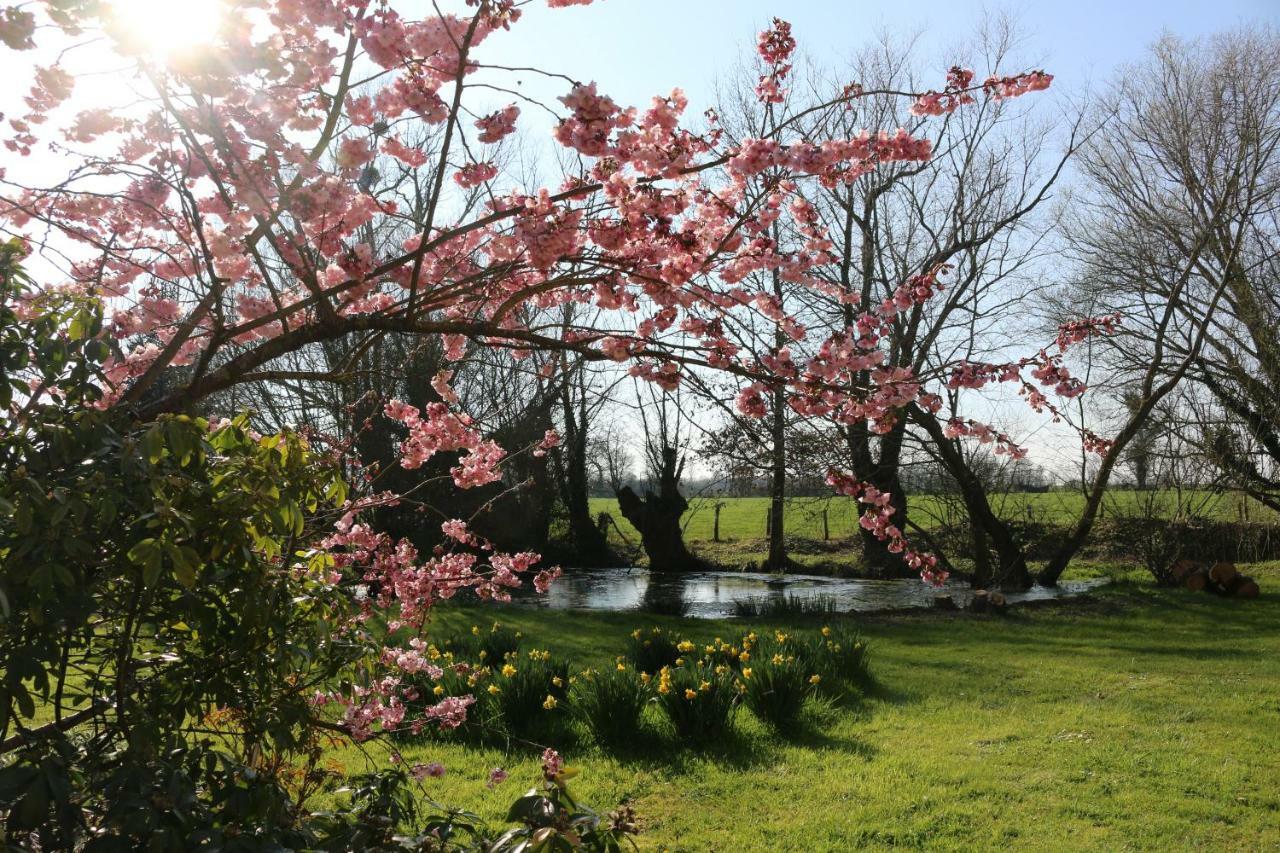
[776,44]
[456,529]
[434,770]
[412,157]
[440,384]
[450,712]
[542,580]
[475,174]
[496,777]
[497,125]
[552,763]
[751,402]
[17,27]
[353,152]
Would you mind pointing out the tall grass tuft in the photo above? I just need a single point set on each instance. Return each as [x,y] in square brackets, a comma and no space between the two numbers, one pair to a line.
[786,607]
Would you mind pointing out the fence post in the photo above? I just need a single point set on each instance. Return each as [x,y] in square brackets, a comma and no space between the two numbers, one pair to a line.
[826,528]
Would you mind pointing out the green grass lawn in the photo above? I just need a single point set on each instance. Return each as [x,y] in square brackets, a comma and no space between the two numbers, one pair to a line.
[1144,719]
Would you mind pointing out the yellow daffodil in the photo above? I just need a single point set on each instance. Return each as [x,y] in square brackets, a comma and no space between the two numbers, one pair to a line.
[508,670]
[814,679]
[549,702]
[689,693]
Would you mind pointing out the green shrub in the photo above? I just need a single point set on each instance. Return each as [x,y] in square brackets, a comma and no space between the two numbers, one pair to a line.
[649,651]
[699,698]
[610,702]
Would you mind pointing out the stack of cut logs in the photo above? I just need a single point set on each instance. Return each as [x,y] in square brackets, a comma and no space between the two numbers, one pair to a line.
[1220,578]
[992,600]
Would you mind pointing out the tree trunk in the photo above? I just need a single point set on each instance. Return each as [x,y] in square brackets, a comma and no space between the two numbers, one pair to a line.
[1011,569]
[591,547]
[657,517]
[982,575]
[883,474]
[778,561]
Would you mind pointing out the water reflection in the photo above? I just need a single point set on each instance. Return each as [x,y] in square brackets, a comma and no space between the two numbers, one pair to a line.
[714,595]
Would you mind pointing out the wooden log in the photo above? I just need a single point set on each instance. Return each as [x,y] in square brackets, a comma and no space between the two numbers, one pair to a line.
[981,601]
[1198,581]
[1248,588]
[1182,569]
[1230,587]
[1222,573]
[944,601]
[998,601]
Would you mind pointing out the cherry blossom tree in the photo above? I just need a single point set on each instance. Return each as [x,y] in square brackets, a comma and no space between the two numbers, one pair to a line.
[222,217]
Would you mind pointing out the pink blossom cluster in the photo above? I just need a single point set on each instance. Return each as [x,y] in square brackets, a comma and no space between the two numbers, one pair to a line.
[498,125]
[775,46]
[877,519]
[1075,331]
[1017,85]
[475,174]
[955,95]
[1005,446]
[17,27]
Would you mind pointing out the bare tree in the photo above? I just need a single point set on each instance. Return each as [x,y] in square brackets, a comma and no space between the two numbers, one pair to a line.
[657,514]
[971,209]
[1179,236]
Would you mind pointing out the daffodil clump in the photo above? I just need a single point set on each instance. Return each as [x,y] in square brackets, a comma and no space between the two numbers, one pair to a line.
[649,651]
[524,693]
[610,701]
[699,697]
[839,656]
[698,685]
[778,682]
[518,694]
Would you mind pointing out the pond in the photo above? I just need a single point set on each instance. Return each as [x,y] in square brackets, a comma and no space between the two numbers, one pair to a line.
[714,595]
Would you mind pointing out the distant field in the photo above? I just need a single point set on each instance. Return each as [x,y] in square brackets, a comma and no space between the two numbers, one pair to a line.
[744,518]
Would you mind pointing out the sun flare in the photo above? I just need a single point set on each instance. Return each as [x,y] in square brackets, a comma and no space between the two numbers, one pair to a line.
[165,29]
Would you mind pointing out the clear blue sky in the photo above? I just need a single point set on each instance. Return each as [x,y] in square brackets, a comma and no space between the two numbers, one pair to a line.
[637,48]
